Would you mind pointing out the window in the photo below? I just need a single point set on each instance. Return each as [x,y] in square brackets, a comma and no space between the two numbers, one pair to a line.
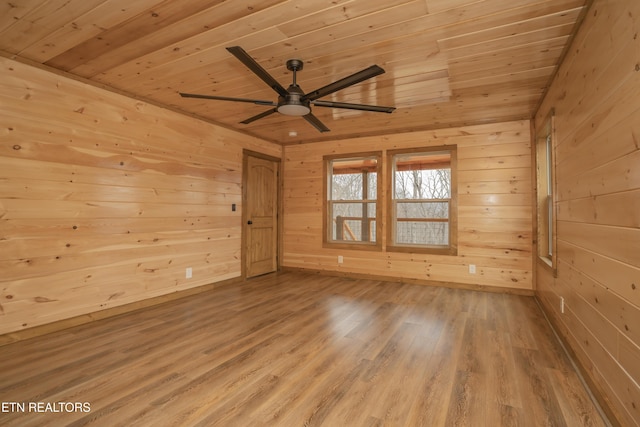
[545,197]
[423,202]
[352,215]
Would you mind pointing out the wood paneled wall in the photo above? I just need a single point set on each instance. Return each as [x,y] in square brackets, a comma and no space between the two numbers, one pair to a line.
[596,96]
[105,200]
[494,209]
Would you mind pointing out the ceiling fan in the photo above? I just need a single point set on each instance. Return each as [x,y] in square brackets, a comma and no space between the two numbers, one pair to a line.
[293,101]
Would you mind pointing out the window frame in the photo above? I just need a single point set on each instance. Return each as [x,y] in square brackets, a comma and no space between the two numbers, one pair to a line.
[327,239]
[546,193]
[452,247]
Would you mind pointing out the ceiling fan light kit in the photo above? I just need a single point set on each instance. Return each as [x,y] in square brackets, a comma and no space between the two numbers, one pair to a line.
[294,109]
[293,101]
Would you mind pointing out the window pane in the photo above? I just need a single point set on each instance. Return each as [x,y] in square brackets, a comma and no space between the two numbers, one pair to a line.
[545,184]
[422,233]
[352,179]
[347,209]
[352,199]
[549,168]
[422,175]
[349,224]
[373,186]
[422,192]
[371,210]
[550,226]
[353,230]
[420,209]
[423,184]
[346,187]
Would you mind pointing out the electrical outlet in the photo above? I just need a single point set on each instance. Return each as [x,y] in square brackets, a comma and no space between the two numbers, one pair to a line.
[189,273]
[472,269]
[562,305]
[340,259]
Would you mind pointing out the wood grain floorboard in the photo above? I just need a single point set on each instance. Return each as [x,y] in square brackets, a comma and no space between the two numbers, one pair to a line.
[296,349]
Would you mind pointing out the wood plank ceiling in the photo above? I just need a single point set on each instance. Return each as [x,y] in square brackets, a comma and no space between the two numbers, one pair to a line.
[447,62]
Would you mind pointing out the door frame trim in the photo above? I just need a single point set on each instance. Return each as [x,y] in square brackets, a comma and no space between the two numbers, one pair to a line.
[279,211]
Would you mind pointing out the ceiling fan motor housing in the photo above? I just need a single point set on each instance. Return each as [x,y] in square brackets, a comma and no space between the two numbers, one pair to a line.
[292,104]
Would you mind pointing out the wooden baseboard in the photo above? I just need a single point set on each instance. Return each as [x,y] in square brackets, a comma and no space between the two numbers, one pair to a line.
[48,328]
[466,286]
[599,398]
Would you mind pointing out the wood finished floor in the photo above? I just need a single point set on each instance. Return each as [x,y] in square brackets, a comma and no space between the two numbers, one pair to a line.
[305,350]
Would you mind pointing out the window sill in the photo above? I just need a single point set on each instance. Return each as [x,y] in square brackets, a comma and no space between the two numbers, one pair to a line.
[433,250]
[355,246]
[547,264]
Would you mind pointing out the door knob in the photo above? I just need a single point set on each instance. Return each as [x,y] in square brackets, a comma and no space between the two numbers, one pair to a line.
[249,222]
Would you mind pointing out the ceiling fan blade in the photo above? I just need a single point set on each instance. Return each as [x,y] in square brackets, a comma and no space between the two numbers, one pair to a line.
[259,116]
[358,77]
[374,108]
[247,60]
[224,98]
[315,122]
